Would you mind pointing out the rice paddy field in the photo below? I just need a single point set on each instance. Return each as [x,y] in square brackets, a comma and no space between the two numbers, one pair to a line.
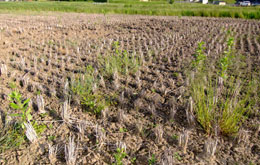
[129,89]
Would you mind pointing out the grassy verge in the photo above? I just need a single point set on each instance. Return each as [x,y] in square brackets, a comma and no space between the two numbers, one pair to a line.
[134,7]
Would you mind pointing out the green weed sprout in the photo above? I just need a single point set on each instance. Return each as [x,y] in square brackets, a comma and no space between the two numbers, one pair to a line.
[119,61]
[95,103]
[115,46]
[226,59]
[11,136]
[84,86]
[119,156]
[152,160]
[200,57]
[22,106]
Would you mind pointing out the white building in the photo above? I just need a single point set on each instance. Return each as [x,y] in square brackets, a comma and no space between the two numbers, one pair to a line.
[205,1]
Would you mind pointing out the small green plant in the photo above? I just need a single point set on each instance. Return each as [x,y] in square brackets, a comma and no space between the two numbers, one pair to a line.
[133,160]
[115,46]
[39,128]
[122,130]
[11,137]
[93,103]
[119,156]
[38,92]
[18,104]
[199,57]
[258,39]
[175,137]
[43,115]
[50,126]
[251,163]
[175,74]
[51,138]
[152,160]
[177,156]
[225,61]
[118,61]
[84,86]
[12,85]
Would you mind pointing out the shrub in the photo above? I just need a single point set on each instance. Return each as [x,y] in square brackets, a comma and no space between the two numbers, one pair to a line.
[171,1]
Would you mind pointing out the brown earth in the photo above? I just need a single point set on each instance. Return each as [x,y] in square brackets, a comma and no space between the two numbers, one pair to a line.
[42,51]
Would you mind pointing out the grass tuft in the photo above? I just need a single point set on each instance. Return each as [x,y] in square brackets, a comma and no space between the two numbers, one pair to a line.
[222,100]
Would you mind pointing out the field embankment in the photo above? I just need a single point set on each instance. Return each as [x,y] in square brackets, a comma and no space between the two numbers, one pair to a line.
[134,7]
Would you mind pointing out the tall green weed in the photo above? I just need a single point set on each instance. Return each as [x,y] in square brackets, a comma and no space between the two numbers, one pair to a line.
[222,99]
